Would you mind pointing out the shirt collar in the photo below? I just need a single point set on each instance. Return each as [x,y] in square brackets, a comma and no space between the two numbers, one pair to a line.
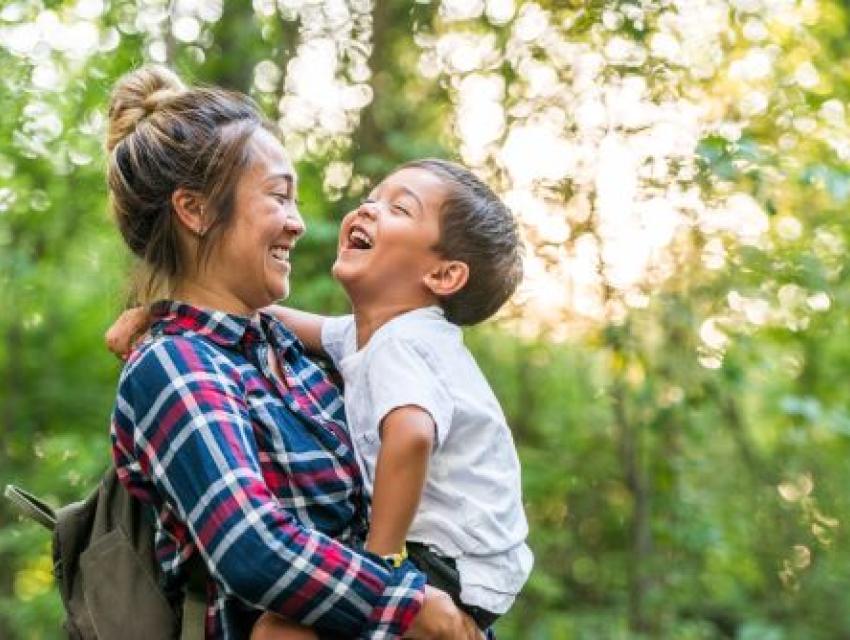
[172,317]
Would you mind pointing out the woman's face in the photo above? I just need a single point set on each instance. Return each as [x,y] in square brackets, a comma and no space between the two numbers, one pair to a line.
[250,263]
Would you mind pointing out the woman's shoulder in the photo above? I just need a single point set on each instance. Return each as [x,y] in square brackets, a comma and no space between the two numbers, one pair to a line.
[169,360]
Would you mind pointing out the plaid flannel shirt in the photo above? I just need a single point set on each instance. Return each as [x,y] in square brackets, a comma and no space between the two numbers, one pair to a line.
[257,477]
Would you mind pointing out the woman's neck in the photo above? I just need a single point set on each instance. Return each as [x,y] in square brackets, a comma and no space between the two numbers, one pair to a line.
[199,294]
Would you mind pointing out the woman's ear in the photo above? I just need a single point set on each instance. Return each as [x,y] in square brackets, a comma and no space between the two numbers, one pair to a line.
[448,277]
[189,208]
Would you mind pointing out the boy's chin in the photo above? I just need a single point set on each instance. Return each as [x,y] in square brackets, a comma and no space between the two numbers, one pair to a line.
[342,272]
[348,278]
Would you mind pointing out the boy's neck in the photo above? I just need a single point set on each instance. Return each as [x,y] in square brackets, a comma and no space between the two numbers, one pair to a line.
[369,318]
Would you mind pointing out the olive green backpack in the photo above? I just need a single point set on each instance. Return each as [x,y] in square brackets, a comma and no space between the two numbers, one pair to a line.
[106,570]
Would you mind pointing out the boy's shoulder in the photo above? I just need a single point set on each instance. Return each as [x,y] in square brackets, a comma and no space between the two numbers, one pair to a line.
[425,335]
[424,326]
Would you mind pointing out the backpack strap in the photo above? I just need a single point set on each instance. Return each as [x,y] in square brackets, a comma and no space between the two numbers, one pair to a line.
[31,507]
[194,614]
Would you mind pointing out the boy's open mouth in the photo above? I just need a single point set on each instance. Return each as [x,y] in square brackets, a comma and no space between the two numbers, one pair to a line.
[358,239]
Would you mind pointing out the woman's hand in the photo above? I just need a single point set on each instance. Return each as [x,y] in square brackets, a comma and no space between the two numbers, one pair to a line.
[440,619]
[127,330]
[273,627]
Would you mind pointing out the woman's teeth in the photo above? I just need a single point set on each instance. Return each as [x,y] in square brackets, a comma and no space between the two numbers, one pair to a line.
[280,254]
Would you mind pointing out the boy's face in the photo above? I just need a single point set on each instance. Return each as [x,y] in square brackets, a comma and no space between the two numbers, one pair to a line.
[386,245]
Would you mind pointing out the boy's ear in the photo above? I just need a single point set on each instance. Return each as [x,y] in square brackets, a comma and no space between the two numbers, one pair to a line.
[447,277]
[189,208]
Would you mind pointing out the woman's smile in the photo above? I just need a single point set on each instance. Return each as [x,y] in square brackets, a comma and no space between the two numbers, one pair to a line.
[253,263]
[280,255]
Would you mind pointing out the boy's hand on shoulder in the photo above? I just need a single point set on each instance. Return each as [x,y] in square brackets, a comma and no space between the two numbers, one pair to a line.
[127,330]
[307,326]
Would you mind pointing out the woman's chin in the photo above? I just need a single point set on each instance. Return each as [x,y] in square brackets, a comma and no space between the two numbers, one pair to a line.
[276,290]
[282,293]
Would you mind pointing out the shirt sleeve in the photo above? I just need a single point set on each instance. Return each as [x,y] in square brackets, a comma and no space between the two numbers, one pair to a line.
[336,335]
[193,438]
[399,375]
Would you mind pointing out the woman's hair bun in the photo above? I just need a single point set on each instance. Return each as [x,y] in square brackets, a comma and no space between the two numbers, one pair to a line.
[136,96]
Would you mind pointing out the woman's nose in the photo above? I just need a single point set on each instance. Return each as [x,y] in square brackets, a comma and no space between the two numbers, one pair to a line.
[295,223]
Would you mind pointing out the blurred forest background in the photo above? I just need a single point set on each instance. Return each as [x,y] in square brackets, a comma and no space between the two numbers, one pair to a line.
[674,365]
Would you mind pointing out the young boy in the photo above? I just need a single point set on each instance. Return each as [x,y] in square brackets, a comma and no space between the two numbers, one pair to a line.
[430,250]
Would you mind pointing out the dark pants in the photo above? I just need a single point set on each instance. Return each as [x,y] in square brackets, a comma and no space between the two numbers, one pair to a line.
[442,573]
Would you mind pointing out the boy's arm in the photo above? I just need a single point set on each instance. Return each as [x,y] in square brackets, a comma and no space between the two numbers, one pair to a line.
[307,326]
[127,330]
[407,439]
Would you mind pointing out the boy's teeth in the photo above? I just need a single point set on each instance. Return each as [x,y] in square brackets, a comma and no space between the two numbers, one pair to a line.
[279,253]
[359,236]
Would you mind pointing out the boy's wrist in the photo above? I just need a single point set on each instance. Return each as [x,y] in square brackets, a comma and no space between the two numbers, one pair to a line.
[395,560]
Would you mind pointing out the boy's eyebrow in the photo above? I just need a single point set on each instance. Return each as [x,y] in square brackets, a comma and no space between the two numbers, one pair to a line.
[413,195]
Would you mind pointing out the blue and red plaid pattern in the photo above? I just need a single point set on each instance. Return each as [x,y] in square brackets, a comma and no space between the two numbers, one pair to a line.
[257,477]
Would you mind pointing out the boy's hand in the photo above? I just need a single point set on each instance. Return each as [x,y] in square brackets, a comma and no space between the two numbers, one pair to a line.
[127,330]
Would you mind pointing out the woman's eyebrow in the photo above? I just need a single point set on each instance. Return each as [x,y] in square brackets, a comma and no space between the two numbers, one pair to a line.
[288,178]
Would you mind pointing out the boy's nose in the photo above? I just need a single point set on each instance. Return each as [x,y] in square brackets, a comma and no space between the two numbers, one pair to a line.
[368,208]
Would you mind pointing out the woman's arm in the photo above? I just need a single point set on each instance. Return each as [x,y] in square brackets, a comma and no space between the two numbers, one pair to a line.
[407,439]
[307,326]
[181,418]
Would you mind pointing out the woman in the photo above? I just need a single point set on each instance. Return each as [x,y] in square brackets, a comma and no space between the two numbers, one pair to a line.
[236,439]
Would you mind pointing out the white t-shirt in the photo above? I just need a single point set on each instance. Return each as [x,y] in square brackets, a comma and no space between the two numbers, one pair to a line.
[471,508]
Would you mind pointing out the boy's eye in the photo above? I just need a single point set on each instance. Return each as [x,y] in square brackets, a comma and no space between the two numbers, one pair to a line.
[282,197]
[401,209]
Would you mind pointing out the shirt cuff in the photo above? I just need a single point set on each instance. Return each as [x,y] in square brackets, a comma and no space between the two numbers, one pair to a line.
[398,605]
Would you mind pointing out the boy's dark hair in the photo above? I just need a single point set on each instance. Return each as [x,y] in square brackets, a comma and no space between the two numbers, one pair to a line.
[478,229]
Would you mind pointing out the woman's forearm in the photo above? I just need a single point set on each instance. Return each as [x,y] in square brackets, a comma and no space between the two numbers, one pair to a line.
[205,464]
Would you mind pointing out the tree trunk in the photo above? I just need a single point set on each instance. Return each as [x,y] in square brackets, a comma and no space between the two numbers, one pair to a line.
[631,456]
[371,153]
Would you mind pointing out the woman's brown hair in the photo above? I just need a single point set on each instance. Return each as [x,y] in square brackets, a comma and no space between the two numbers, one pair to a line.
[163,136]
